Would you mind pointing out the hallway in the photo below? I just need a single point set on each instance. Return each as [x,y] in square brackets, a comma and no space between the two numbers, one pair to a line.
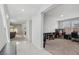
[24,19]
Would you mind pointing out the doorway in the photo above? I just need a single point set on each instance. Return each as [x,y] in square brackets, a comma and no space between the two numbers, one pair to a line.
[16,32]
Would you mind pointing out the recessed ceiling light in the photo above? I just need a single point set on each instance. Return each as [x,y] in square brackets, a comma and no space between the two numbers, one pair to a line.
[22,10]
[61,15]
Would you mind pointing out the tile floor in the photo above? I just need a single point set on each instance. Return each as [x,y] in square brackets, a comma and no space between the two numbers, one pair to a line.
[27,48]
[20,46]
[9,49]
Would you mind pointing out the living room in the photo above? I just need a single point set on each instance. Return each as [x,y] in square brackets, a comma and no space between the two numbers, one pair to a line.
[61,28]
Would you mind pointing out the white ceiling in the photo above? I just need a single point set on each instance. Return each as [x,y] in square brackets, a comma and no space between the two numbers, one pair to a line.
[63,11]
[16,13]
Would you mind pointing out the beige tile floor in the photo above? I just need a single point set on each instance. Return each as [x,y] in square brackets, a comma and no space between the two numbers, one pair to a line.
[27,48]
[62,47]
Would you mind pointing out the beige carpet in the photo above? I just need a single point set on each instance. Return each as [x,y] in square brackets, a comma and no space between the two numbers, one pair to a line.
[62,47]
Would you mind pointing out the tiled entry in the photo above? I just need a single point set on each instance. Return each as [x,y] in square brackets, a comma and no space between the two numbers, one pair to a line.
[22,48]
[27,48]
